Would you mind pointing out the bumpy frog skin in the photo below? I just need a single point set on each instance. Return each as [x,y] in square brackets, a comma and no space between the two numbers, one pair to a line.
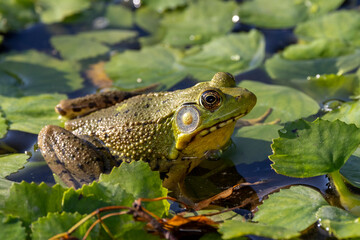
[172,131]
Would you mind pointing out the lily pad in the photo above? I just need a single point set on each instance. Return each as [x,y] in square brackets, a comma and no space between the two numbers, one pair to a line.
[148,19]
[288,104]
[351,169]
[51,11]
[233,229]
[294,208]
[233,53]
[11,228]
[10,163]
[348,112]
[162,5]
[33,73]
[3,126]
[344,25]
[128,176]
[334,214]
[307,149]
[212,19]
[343,229]
[93,43]
[280,68]
[29,201]
[30,114]
[119,16]
[133,69]
[55,223]
[283,13]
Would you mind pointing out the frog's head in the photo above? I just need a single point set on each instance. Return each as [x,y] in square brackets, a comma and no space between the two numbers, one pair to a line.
[207,119]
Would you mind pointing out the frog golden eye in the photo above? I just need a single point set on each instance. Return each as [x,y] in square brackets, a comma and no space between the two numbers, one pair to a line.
[188,119]
[210,99]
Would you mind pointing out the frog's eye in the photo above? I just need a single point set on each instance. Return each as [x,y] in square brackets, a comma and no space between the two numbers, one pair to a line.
[188,118]
[210,99]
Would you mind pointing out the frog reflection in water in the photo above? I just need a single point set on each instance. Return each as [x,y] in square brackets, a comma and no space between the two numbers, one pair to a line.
[172,131]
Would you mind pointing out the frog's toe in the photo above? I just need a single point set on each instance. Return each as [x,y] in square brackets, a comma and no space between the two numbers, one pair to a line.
[75,160]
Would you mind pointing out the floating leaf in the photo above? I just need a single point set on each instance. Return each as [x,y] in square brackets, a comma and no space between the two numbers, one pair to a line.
[334,214]
[307,149]
[119,16]
[280,68]
[161,5]
[128,176]
[55,223]
[36,73]
[29,201]
[283,13]
[51,11]
[233,53]
[10,163]
[11,228]
[234,229]
[344,25]
[133,69]
[348,112]
[91,42]
[30,114]
[148,19]
[212,19]
[3,126]
[4,190]
[351,169]
[320,48]
[287,103]
[294,208]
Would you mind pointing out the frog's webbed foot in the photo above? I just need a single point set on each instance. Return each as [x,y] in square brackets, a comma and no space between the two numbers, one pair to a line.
[256,121]
[75,160]
[72,108]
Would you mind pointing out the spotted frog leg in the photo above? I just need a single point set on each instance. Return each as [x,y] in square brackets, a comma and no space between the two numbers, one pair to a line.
[77,160]
[256,121]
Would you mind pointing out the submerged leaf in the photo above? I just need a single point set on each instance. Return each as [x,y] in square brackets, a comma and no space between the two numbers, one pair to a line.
[30,114]
[294,208]
[283,13]
[307,149]
[233,229]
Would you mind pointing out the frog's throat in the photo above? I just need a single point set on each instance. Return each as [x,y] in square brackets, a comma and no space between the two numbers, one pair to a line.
[184,139]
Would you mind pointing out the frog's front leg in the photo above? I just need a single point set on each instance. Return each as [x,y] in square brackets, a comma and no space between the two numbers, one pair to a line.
[76,160]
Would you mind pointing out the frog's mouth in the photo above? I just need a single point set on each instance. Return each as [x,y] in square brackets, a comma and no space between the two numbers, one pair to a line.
[219,125]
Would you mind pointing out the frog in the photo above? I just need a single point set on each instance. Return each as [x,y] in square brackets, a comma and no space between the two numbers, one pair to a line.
[171,130]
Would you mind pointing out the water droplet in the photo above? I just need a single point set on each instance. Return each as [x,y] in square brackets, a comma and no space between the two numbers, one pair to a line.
[283,130]
[327,229]
[235,57]
[100,23]
[235,18]
[317,76]
[332,104]
[137,3]
[139,80]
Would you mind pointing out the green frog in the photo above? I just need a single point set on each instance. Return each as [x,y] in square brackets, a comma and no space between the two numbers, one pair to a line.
[172,131]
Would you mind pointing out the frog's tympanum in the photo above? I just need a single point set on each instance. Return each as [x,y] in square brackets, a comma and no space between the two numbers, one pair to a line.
[172,131]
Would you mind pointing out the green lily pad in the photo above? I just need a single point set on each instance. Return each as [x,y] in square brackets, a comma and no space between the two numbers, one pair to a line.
[334,214]
[162,5]
[33,73]
[51,11]
[283,13]
[29,201]
[11,228]
[55,223]
[307,149]
[233,229]
[1,39]
[343,229]
[233,53]
[351,170]
[137,179]
[294,208]
[3,126]
[148,19]
[119,16]
[287,103]
[344,25]
[10,163]
[329,86]
[348,112]
[93,43]
[158,65]
[212,19]
[319,48]
[4,190]
[30,114]
[280,68]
